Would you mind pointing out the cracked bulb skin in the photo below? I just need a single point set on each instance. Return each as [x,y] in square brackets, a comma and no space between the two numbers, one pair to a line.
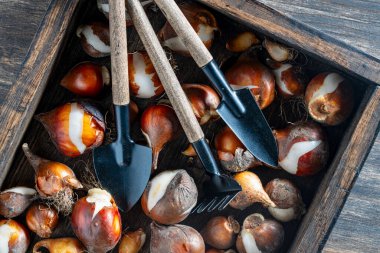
[303,148]
[14,201]
[60,245]
[95,39]
[96,221]
[14,238]
[74,127]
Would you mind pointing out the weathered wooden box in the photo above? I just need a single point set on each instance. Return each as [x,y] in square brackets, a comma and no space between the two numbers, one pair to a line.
[56,49]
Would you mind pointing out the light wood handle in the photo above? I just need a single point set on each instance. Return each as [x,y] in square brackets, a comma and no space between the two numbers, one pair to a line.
[119,52]
[185,31]
[164,70]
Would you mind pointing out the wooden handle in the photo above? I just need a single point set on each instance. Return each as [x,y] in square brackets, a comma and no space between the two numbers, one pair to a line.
[185,31]
[119,52]
[164,70]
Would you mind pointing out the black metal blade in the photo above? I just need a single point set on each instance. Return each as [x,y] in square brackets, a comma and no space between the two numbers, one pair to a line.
[251,128]
[124,175]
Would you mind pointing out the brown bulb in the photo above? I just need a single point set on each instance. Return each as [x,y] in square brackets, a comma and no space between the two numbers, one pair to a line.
[132,241]
[220,232]
[13,237]
[42,219]
[60,245]
[95,39]
[14,201]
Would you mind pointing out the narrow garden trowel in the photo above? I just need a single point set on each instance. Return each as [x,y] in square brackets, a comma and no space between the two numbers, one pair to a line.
[122,167]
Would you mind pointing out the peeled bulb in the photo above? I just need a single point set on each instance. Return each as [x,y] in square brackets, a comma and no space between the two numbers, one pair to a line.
[86,79]
[14,238]
[232,154]
[202,21]
[303,148]
[277,51]
[42,219]
[14,201]
[250,73]
[104,7]
[143,79]
[204,101]
[60,245]
[159,125]
[260,235]
[95,39]
[289,83]
[74,127]
[288,200]
[54,181]
[220,232]
[132,242]
[175,239]
[329,99]
[169,197]
[252,191]
[96,221]
[242,42]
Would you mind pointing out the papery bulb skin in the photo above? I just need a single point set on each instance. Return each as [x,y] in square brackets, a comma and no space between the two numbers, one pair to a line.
[202,21]
[96,221]
[95,39]
[232,154]
[169,197]
[289,83]
[86,79]
[203,100]
[132,241]
[329,99]
[288,200]
[74,127]
[159,124]
[42,219]
[303,148]
[14,238]
[175,239]
[250,73]
[277,51]
[14,201]
[60,245]
[143,78]
[242,42]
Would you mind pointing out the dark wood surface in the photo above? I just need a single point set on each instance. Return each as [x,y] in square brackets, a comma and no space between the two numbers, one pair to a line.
[345,238]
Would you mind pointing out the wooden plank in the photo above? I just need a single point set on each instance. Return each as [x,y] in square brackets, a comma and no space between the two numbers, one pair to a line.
[355,22]
[300,36]
[24,95]
[358,226]
[338,181]
[19,21]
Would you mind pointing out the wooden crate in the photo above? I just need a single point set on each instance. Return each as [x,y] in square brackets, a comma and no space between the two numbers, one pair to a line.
[55,50]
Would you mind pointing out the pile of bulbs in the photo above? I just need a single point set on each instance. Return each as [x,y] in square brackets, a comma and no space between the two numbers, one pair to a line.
[77,127]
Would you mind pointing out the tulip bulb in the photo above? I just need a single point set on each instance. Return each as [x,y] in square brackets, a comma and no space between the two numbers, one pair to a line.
[175,239]
[159,125]
[202,21]
[86,79]
[132,242]
[95,39]
[60,245]
[250,73]
[288,200]
[96,221]
[14,238]
[289,83]
[329,99]
[277,51]
[232,154]
[204,101]
[74,127]
[220,232]
[143,79]
[242,42]
[260,235]
[14,201]
[169,197]
[42,219]
[303,148]
[252,191]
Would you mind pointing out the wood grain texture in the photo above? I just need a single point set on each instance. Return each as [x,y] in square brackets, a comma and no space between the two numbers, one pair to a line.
[355,22]
[19,21]
[24,95]
[165,71]
[119,53]
[301,36]
[185,31]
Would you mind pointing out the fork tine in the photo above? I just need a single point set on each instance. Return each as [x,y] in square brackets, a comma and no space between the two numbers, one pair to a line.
[226,202]
[202,205]
[216,203]
[209,204]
